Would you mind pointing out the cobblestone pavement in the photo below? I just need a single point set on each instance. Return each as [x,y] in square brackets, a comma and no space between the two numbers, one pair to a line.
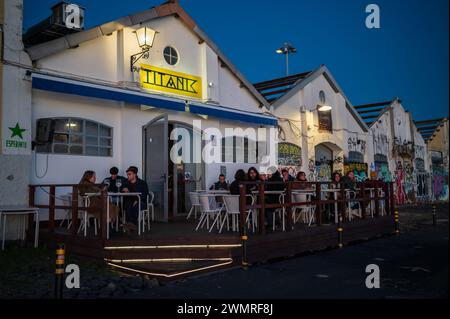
[413,265]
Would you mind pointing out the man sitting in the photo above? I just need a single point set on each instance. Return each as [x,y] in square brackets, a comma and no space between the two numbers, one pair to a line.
[221,185]
[115,182]
[134,185]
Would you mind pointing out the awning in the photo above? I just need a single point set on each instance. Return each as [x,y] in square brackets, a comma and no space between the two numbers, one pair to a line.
[84,88]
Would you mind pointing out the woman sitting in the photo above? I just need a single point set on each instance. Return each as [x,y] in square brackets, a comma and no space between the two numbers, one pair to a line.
[301,177]
[239,176]
[252,176]
[87,185]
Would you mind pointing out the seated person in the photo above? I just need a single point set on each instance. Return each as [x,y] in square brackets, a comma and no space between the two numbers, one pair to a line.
[239,176]
[349,181]
[286,176]
[115,179]
[301,177]
[130,203]
[221,185]
[252,176]
[87,185]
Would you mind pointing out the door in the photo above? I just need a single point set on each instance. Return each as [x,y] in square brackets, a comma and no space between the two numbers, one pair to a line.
[155,150]
[186,174]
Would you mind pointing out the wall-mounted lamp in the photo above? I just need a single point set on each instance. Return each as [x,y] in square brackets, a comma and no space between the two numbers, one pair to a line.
[145,37]
[324,108]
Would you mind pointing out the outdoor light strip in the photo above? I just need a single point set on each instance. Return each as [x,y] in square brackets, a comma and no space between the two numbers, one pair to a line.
[173,246]
[171,275]
[165,260]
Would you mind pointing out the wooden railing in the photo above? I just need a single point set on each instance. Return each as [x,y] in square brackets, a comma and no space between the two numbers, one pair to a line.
[317,201]
[51,190]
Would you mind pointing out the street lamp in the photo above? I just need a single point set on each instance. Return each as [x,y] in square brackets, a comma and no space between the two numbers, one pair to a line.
[286,49]
[145,37]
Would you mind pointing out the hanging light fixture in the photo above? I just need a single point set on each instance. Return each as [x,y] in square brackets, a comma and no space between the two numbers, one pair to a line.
[145,37]
[324,108]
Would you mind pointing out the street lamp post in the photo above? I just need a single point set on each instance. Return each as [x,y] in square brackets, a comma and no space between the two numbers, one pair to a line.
[286,49]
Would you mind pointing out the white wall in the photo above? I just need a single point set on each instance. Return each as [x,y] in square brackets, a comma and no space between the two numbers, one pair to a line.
[345,127]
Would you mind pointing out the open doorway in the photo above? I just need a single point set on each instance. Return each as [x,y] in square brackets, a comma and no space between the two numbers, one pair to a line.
[170,167]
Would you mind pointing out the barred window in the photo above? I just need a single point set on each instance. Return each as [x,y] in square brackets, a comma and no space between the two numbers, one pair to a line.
[77,136]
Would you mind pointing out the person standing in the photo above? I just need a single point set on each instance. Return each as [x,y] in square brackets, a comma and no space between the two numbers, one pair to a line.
[131,204]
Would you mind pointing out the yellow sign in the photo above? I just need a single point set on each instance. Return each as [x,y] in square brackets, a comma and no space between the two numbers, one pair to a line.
[171,82]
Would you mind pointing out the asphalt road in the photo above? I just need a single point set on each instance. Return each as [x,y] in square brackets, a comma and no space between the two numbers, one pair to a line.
[412,265]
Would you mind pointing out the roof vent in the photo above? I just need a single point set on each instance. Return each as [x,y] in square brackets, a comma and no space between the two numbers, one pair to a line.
[66,18]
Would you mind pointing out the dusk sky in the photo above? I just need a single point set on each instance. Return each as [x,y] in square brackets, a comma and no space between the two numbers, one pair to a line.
[407,57]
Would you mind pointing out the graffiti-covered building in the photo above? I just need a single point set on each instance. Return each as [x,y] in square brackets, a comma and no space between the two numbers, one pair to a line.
[436,134]
[319,129]
[400,151]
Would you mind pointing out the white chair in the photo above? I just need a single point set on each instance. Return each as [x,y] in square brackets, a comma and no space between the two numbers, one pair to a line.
[353,211]
[251,213]
[209,209]
[66,200]
[195,204]
[306,211]
[148,213]
[382,203]
[281,214]
[231,203]
[82,202]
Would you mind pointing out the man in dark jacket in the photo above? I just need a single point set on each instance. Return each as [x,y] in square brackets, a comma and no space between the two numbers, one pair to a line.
[134,185]
[115,182]
[221,185]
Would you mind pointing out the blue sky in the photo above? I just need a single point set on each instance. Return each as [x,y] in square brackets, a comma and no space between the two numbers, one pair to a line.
[407,57]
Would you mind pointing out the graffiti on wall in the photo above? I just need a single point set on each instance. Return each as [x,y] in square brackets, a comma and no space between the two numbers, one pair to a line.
[404,182]
[440,184]
[382,172]
[381,144]
[319,171]
[359,169]
[338,165]
[289,155]
[419,151]
[356,145]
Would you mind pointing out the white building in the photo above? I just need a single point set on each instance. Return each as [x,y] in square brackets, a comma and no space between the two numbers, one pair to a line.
[105,113]
[400,152]
[319,130]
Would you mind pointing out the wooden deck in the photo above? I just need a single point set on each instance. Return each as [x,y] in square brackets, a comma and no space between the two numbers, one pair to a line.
[175,250]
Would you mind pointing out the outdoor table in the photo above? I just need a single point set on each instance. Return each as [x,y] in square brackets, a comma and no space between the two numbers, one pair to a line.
[19,210]
[138,195]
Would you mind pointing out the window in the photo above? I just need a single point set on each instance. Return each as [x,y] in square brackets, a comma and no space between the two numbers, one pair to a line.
[325,122]
[79,137]
[289,154]
[171,55]
[239,150]
[355,157]
[380,158]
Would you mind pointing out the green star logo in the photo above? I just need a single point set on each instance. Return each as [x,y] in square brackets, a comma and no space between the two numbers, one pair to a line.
[17,131]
